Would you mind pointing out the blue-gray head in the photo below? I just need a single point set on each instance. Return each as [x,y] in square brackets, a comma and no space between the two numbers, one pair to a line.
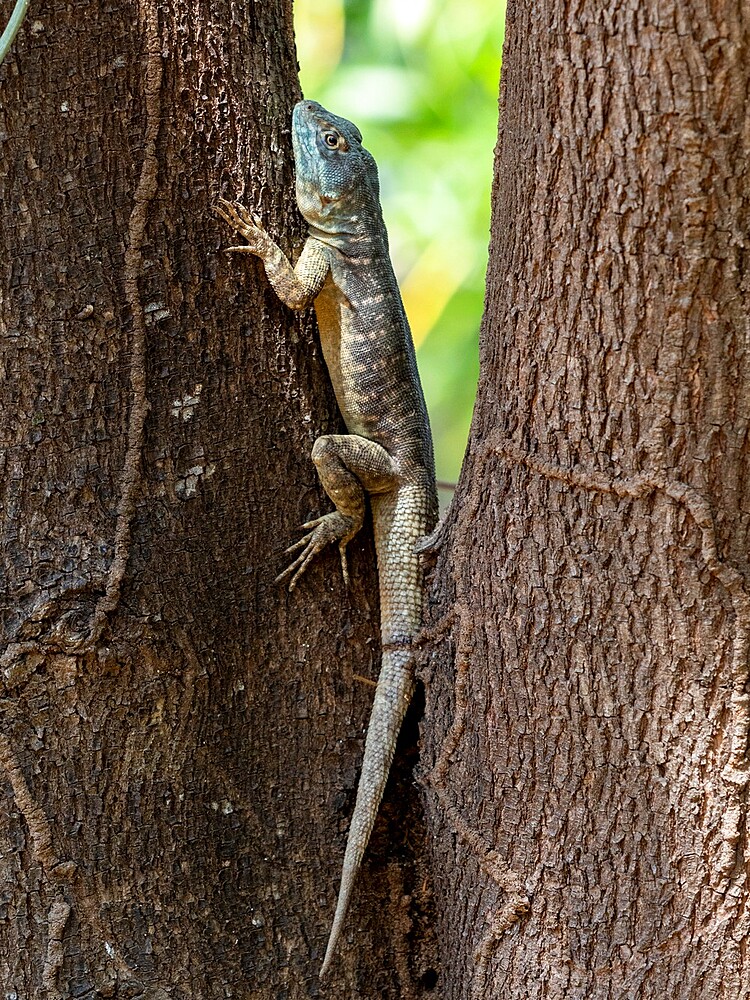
[337,179]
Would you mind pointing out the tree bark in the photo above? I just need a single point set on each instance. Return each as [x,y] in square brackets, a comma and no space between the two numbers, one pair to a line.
[179,738]
[586,752]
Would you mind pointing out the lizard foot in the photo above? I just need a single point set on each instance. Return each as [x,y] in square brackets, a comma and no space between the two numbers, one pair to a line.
[243,222]
[333,527]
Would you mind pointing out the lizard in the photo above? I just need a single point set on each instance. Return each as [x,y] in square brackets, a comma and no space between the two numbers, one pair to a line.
[386,457]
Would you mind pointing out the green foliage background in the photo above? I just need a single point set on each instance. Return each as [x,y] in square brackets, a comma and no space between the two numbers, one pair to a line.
[420,79]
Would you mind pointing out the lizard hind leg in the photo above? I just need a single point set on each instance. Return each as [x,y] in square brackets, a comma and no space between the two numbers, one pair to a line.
[349,466]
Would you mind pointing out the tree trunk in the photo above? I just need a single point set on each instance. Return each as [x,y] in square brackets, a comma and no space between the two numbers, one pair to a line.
[179,738]
[586,757]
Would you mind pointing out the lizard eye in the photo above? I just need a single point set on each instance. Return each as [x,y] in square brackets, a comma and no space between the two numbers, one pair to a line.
[331,140]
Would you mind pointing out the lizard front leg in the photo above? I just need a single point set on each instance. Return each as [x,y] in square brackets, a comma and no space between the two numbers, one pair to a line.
[296,286]
[349,467]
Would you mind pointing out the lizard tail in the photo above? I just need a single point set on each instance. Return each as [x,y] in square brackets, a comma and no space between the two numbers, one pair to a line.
[392,696]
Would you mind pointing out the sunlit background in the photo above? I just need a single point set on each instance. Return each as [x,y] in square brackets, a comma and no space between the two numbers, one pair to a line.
[420,79]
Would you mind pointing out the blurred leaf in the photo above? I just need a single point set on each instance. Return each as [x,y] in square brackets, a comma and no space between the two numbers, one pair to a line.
[319,30]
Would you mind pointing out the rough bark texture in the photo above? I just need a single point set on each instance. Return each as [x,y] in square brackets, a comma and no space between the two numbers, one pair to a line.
[179,738]
[587,749]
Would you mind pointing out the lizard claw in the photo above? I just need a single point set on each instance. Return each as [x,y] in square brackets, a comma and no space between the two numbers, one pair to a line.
[236,215]
[243,222]
[333,527]
[344,565]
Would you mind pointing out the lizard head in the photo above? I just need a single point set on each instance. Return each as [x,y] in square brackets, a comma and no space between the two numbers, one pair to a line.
[337,179]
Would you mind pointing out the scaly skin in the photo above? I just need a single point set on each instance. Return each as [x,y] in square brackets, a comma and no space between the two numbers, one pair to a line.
[345,269]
